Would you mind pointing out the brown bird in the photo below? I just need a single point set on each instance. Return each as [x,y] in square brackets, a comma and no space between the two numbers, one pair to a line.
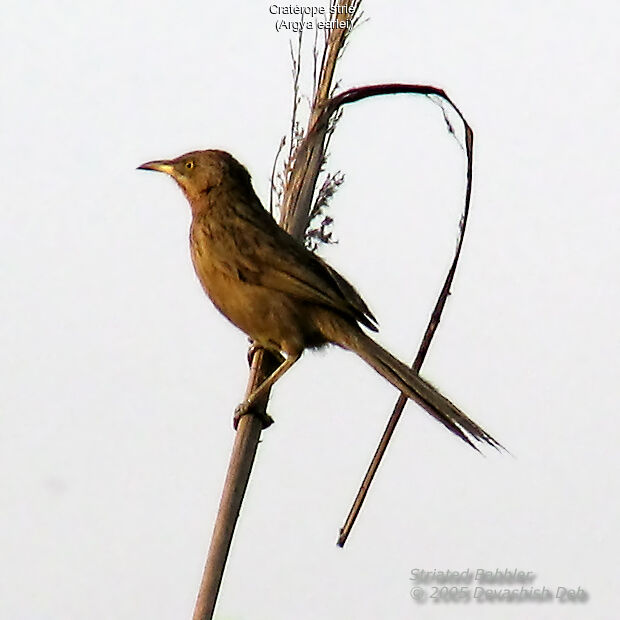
[284,297]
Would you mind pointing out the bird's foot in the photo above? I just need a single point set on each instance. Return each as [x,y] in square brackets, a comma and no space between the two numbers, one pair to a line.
[245,408]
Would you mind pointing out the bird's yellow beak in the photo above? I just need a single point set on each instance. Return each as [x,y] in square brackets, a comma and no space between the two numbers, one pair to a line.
[159,166]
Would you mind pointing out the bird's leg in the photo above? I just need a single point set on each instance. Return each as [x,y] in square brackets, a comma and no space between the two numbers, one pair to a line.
[244,407]
[255,348]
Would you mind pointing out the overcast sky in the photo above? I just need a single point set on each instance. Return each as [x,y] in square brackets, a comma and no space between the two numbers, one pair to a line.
[119,379]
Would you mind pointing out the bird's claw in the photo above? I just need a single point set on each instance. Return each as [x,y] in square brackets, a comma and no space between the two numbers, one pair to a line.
[244,409]
[240,411]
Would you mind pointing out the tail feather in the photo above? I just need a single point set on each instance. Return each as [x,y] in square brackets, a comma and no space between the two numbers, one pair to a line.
[411,384]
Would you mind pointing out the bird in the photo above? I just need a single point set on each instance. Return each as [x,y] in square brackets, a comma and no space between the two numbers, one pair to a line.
[283,296]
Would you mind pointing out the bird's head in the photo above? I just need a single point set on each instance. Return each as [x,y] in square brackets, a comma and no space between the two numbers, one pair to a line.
[198,172]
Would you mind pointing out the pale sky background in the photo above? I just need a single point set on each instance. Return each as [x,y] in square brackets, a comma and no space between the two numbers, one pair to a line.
[119,379]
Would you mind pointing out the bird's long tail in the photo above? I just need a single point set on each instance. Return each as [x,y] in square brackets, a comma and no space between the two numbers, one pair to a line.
[416,388]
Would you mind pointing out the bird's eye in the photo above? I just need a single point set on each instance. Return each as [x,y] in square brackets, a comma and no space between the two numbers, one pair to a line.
[189,164]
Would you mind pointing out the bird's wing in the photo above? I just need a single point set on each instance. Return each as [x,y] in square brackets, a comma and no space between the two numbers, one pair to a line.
[270,257]
[308,277]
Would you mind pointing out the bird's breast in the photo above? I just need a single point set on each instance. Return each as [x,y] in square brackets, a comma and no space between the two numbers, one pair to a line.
[270,317]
